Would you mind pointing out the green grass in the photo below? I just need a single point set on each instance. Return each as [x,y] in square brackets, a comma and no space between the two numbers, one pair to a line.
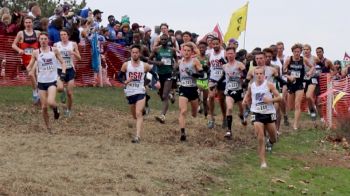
[290,162]
[112,97]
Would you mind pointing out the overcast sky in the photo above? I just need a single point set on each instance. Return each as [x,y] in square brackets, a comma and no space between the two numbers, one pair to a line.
[316,22]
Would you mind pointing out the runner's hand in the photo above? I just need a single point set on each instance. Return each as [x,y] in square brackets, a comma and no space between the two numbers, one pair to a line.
[157,85]
[20,51]
[63,76]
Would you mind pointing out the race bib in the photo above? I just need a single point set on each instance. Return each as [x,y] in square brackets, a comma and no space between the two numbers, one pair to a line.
[314,81]
[273,117]
[68,61]
[166,61]
[186,82]
[232,85]
[28,51]
[134,85]
[295,74]
[261,107]
[218,72]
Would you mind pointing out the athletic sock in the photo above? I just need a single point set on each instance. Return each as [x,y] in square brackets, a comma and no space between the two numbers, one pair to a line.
[229,122]
[182,130]
[35,93]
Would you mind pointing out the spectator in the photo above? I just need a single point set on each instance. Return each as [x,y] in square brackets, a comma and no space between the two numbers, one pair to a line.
[36,12]
[147,37]
[74,30]
[4,23]
[84,31]
[44,25]
[3,11]
[67,15]
[194,37]
[120,39]
[54,30]
[155,35]
[171,33]
[30,6]
[117,27]
[178,37]
[15,25]
[97,19]
[126,34]
[110,27]
[58,13]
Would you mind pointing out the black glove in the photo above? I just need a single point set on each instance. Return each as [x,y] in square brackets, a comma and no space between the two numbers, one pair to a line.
[222,61]
[63,76]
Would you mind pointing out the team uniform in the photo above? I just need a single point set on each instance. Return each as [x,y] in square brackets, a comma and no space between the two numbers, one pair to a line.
[135,90]
[310,80]
[216,70]
[165,55]
[202,82]
[262,112]
[297,70]
[233,77]
[64,50]
[188,87]
[47,70]
[29,44]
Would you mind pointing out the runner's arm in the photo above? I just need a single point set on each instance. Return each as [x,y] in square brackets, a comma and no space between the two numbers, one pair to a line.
[122,74]
[276,94]
[199,69]
[32,61]
[248,96]
[16,41]
[312,67]
[60,59]
[76,52]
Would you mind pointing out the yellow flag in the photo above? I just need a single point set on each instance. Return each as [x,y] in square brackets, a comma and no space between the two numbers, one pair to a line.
[237,23]
[338,97]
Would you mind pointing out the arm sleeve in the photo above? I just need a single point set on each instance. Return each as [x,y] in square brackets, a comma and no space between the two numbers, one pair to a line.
[121,76]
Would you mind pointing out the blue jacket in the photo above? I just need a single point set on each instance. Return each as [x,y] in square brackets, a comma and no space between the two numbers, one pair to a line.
[54,34]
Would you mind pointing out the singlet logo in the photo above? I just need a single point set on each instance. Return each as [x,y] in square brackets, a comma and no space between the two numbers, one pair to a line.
[136,76]
[259,97]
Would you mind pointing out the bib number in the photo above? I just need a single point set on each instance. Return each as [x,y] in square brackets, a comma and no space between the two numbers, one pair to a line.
[261,107]
[28,51]
[296,74]
[232,85]
[186,82]
[134,85]
[218,72]
[166,61]
[314,81]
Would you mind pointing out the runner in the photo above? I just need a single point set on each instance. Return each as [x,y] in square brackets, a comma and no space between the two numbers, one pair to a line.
[132,75]
[295,69]
[311,81]
[69,51]
[263,95]
[216,88]
[202,82]
[165,59]
[25,43]
[190,68]
[324,65]
[171,42]
[46,58]
[283,104]
[232,73]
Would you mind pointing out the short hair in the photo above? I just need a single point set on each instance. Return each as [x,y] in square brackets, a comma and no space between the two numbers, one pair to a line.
[320,48]
[279,43]
[65,30]
[231,48]
[135,46]
[44,33]
[267,50]
[187,33]
[215,38]
[298,45]
[164,24]
[190,45]
[203,43]
[259,53]
[32,4]
[307,45]
[171,31]
[259,67]
[28,17]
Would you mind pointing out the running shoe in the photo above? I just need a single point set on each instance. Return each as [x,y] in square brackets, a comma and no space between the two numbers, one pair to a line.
[160,118]
[147,110]
[63,96]
[313,116]
[172,98]
[67,113]
[211,124]
[56,113]
[183,137]
[228,135]
[243,120]
[263,165]
[135,140]
[36,99]
[268,146]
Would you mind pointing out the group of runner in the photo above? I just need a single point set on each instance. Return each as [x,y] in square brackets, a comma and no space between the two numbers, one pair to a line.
[265,85]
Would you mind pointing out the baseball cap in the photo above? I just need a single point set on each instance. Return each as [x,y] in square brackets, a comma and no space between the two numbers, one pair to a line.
[97,11]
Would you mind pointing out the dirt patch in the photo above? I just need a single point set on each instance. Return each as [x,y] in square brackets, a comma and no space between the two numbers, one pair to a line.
[91,154]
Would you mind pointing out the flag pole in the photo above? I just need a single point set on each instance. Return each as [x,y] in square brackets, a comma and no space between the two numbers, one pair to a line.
[245,32]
